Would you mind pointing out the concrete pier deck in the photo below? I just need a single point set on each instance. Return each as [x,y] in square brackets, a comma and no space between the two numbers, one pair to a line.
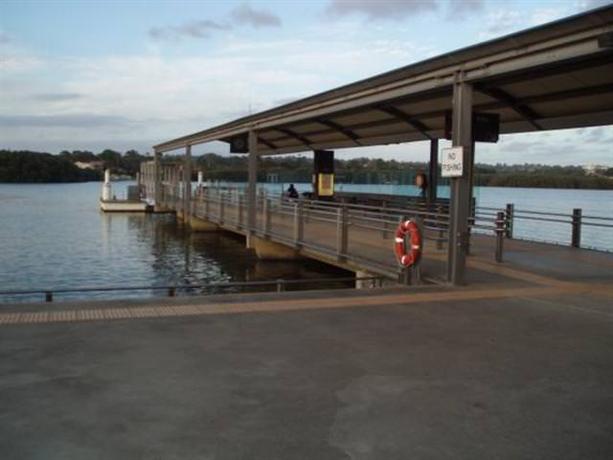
[519,367]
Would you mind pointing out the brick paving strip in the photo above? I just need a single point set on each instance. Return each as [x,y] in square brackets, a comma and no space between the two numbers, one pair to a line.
[162,311]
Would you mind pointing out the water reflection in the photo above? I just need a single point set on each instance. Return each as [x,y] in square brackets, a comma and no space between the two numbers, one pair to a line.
[54,237]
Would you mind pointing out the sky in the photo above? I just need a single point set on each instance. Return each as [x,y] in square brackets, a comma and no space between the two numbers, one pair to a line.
[129,74]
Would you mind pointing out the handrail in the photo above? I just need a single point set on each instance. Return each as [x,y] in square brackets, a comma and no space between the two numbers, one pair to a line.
[172,289]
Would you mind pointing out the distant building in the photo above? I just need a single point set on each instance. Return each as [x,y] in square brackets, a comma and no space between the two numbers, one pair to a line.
[592,169]
[272,178]
[93,165]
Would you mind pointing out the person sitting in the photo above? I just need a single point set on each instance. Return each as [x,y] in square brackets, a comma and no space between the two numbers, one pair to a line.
[292,192]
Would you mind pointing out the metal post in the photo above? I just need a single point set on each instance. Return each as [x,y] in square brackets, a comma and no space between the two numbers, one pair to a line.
[440,210]
[298,223]
[576,223]
[171,291]
[48,296]
[460,186]
[342,232]
[222,208]
[416,268]
[240,211]
[384,232]
[267,216]
[252,183]
[280,285]
[157,190]
[433,171]
[187,183]
[509,213]
[207,202]
[500,232]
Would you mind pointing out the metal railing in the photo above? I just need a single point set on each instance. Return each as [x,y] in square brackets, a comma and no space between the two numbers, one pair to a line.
[228,206]
[280,285]
[576,221]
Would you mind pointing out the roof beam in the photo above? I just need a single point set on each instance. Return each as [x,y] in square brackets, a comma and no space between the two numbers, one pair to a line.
[521,109]
[268,144]
[295,135]
[341,129]
[401,115]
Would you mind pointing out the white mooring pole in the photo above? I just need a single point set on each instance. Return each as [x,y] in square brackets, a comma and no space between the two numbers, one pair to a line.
[106,187]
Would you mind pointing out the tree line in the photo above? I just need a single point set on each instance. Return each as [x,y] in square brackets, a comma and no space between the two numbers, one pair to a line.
[27,166]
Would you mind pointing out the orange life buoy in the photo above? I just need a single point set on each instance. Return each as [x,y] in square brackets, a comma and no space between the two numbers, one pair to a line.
[411,255]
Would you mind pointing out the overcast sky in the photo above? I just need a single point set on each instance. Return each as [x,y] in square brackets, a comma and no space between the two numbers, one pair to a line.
[129,74]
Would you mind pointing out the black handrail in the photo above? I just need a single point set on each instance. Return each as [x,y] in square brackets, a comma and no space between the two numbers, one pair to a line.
[172,289]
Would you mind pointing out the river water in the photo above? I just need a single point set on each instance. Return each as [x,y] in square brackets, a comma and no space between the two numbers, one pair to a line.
[53,236]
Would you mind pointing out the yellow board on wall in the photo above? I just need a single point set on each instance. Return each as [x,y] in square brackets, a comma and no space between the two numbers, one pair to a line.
[326,184]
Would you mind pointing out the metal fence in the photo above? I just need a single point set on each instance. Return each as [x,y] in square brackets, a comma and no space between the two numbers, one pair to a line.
[560,228]
[355,234]
[362,235]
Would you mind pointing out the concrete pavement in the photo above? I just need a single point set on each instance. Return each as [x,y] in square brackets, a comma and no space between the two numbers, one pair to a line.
[474,373]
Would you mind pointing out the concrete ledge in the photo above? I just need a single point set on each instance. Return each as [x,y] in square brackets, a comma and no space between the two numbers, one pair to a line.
[269,250]
[201,225]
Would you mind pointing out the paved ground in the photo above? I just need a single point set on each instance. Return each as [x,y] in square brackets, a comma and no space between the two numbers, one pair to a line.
[496,372]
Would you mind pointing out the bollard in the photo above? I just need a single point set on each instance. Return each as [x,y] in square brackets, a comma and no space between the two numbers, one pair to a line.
[342,232]
[510,212]
[280,285]
[500,230]
[48,296]
[576,223]
[171,291]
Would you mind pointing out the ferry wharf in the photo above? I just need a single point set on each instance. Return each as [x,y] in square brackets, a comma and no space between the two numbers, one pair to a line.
[504,354]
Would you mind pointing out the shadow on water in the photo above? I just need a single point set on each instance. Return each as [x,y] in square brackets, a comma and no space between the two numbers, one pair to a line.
[182,257]
[123,250]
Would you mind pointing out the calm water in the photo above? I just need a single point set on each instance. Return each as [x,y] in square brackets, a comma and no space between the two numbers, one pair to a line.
[54,236]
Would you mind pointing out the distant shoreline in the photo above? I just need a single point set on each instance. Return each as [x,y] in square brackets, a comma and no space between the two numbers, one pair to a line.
[477,184]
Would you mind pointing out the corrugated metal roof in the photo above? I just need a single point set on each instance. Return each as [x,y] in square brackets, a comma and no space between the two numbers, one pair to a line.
[559,75]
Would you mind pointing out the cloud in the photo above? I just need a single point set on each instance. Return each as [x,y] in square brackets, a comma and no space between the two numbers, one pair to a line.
[76,120]
[56,97]
[192,29]
[461,9]
[501,22]
[244,14]
[591,4]
[375,10]
[4,38]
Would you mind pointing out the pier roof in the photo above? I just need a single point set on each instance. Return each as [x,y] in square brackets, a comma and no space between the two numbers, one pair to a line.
[558,75]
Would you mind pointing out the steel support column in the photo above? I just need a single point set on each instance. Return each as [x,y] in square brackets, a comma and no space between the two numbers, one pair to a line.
[433,171]
[251,186]
[157,186]
[187,183]
[460,186]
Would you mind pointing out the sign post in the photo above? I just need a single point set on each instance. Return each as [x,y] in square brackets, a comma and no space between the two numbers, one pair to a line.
[452,162]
